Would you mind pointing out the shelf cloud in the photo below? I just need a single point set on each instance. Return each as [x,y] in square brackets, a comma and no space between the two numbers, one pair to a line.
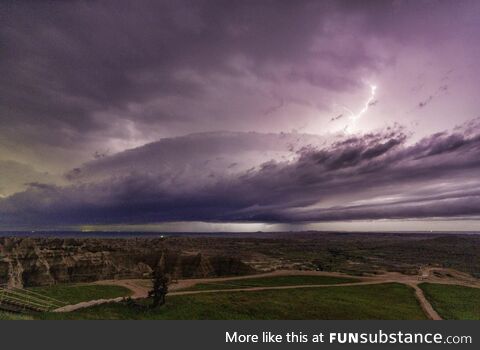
[372,176]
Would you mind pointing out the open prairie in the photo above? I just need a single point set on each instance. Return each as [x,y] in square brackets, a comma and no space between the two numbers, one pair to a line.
[259,276]
[382,301]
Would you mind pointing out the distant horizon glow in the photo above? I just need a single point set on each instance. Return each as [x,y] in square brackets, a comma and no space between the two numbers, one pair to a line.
[466,225]
[357,226]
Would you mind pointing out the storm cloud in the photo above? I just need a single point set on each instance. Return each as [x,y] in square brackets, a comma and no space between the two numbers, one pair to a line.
[79,66]
[373,176]
[113,74]
[135,112]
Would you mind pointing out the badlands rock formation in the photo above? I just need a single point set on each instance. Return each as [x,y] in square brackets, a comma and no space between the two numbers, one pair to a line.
[44,261]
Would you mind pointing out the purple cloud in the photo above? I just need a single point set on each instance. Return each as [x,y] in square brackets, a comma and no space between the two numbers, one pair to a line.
[372,176]
[112,112]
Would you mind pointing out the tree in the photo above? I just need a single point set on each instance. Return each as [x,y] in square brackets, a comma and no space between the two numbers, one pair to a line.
[160,282]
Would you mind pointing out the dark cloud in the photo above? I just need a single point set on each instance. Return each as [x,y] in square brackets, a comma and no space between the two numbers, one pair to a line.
[440,91]
[63,61]
[337,117]
[373,176]
[79,70]
[425,102]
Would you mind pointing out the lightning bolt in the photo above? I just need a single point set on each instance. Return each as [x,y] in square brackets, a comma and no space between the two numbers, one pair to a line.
[355,117]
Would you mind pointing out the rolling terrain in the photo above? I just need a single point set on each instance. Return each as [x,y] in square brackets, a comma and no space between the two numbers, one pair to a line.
[292,276]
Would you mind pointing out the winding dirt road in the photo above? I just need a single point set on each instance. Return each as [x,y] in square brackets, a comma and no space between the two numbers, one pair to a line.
[140,288]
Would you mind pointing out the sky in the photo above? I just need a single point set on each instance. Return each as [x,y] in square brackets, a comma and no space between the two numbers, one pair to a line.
[240,115]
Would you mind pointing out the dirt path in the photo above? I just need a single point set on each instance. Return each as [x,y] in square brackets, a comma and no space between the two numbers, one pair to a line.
[183,284]
[82,305]
[138,292]
[253,289]
[424,303]
[140,288]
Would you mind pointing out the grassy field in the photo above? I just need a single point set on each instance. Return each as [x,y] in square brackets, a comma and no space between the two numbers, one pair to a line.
[383,301]
[76,293]
[453,302]
[9,316]
[272,282]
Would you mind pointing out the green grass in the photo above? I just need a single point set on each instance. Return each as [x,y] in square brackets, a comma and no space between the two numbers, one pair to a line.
[382,301]
[9,316]
[76,293]
[453,302]
[272,282]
